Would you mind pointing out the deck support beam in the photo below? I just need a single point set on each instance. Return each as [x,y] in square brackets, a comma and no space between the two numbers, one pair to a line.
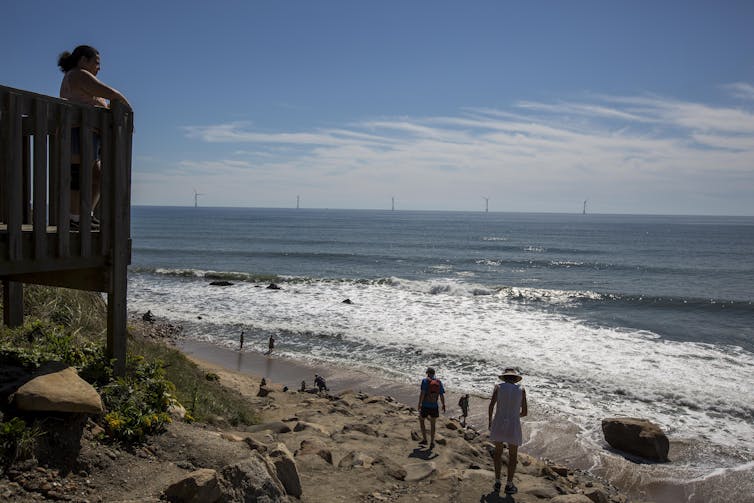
[13,304]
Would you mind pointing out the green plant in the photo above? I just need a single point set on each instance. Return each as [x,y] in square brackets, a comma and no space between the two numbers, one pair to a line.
[17,441]
[137,403]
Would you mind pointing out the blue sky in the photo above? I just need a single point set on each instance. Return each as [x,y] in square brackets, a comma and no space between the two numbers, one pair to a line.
[637,106]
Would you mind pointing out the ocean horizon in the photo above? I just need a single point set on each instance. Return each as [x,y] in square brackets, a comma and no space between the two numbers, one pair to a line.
[605,315]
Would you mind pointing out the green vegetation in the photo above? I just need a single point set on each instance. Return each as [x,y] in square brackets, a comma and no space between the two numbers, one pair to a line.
[69,326]
[17,440]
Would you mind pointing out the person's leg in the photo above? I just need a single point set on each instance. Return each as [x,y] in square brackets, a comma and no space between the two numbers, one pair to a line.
[512,460]
[432,420]
[423,428]
[498,460]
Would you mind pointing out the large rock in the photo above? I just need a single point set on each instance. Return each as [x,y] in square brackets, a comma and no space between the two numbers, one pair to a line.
[355,459]
[61,391]
[636,436]
[274,426]
[252,479]
[570,498]
[315,447]
[419,471]
[200,486]
[286,470]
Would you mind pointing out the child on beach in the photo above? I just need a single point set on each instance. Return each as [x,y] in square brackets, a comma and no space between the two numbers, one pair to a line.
[430,390]
[510,400]
[463,403]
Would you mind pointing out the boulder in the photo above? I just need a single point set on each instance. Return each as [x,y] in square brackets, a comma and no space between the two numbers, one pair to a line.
[252,479]
[285,468]
[570,498]
[391,467]
[597,496]
[354,459]
[273,286]
[275,426]
[361,428]
[221,283]
[316,447]
[61,391]
[254,445]
[200,486]
[303,425]
[636,436]
[419,471]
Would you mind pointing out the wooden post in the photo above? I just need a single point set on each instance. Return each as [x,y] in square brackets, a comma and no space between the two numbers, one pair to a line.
[13,304]
[117,294]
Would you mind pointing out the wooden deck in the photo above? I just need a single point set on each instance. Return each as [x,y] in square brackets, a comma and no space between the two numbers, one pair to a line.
[37,244]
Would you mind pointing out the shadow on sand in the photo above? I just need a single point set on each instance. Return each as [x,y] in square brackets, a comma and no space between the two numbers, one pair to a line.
[496,497]
[425,454]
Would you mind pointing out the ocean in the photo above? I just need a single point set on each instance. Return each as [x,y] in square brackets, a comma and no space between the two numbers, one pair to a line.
[604,315]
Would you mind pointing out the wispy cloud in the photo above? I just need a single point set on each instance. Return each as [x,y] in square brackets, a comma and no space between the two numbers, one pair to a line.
[617,145]
[740,90]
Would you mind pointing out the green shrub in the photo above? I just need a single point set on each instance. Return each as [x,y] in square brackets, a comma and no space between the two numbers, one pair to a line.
[17,440]
[137,403]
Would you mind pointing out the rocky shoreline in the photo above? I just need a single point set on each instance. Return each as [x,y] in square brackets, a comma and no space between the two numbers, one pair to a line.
[310,447]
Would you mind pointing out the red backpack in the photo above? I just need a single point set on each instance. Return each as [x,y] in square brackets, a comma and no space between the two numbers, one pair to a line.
[433,389]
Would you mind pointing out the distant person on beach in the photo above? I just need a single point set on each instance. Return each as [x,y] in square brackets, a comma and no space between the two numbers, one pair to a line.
[241,341]
[431,390]
[510,400]
[80,84]
[320,383]
[463,403]
[270,345]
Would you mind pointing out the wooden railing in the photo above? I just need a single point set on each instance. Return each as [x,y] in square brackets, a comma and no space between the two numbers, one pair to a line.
[37,244]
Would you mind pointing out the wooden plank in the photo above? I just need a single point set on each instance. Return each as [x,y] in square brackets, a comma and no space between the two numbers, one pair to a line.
[53,169]
[40,179]
[106,199]
[13,189]
[13,303]
[117,296]
[63,188]
[3,160]
[85,183]
[93,279]
[26,178]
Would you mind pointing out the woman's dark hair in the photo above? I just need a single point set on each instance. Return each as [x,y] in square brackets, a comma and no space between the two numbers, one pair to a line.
[67,61]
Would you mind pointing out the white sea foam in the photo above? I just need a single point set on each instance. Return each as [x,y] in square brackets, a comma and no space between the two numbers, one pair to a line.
[577,372]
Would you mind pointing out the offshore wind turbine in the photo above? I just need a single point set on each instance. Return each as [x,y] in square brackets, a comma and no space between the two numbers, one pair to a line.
[298,202]
[583,211]
[486,204]
[196,198]
[392,206]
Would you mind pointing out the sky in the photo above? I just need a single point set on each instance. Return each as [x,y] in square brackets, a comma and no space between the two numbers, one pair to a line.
[636,106]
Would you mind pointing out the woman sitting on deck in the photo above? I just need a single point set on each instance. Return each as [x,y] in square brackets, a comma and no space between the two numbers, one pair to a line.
[80,84]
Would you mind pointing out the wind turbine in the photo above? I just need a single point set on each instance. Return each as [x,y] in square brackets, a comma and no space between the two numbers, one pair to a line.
[583,212]
[392,207]
[196,198]
[486,204]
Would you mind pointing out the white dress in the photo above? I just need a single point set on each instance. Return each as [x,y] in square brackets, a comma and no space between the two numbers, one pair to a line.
[506,425]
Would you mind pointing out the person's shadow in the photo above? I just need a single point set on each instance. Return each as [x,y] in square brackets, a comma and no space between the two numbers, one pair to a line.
[496,497]
[425,454]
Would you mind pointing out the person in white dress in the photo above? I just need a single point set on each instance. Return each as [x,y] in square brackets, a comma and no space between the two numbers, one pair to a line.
[509,399]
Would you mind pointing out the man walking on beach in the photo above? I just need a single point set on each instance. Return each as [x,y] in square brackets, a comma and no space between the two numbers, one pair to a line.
[431,390]
[270,345]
